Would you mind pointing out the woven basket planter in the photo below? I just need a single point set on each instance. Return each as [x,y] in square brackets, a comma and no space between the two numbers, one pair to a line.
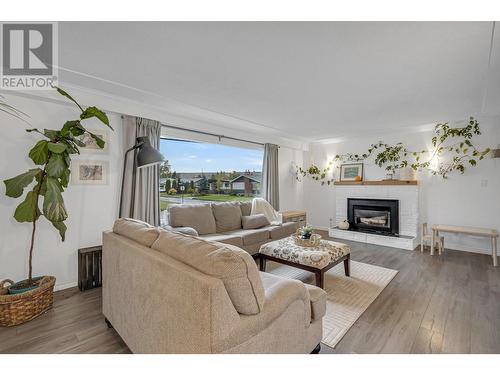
[20,308]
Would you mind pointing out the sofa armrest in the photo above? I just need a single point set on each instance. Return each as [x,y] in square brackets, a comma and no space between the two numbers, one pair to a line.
[184,230]
[317,297]
[283,298]
[280,293]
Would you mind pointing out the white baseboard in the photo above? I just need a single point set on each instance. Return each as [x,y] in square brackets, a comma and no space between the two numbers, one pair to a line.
[65,286]
[321,228]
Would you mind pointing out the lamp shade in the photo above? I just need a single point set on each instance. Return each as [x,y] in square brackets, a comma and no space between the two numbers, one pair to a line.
[146,154]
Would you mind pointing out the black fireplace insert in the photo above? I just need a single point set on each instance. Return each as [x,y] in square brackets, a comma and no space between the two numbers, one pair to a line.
[379,216]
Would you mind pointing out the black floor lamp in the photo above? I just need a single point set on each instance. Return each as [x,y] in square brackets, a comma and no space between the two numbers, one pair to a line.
[145,156]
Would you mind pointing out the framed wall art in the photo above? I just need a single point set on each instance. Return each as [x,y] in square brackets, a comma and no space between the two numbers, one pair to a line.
[89,172]
[351,172]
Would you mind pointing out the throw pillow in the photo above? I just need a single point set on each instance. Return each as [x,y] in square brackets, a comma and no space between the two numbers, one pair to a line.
[254,221]
[227,216]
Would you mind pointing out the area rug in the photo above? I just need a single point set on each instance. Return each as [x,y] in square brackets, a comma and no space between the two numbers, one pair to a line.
[347,297]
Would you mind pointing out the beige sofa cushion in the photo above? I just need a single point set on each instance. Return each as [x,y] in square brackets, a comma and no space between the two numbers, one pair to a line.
[227,216]
[137,231]
[284,230]
[229,238]
[254,221]
[253,236]
[246,208]
[234,266]
[196,216]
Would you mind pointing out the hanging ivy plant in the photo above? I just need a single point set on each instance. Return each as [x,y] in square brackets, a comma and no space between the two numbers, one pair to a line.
[452,146]
[315,173]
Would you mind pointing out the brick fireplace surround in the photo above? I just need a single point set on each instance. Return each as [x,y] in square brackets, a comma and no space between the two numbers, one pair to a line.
[408,197]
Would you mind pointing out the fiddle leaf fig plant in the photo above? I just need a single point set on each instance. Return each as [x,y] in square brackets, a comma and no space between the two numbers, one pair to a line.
[46,182]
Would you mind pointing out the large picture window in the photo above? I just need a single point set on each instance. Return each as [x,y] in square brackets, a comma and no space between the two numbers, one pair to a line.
[197,172]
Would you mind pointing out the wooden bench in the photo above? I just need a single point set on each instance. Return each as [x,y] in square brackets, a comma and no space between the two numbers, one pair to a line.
[482,232]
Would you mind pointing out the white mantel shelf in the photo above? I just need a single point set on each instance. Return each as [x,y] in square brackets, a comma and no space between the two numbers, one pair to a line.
[381,182]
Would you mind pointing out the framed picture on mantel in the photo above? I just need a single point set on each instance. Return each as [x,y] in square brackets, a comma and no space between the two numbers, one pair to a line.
[351,172]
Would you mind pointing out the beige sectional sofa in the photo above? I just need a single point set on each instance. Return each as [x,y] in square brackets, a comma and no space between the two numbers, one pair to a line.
[166,292]
[222,222]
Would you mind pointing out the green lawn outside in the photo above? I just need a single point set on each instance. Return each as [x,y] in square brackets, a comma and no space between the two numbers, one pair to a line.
[164,194]
[163,205]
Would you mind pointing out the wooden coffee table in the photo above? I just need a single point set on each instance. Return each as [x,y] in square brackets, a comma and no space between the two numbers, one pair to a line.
[317,260]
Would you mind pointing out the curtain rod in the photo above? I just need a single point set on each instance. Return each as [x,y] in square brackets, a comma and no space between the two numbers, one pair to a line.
[210,134]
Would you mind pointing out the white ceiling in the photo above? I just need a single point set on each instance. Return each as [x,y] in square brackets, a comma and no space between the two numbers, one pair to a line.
[305,80]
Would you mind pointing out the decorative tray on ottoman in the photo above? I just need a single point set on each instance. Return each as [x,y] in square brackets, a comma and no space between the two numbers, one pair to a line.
[312,241]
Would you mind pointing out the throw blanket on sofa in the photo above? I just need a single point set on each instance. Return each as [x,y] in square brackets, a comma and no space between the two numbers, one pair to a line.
[261,206]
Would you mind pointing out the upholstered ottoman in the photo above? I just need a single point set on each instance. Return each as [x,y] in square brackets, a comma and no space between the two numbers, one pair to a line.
[317,260]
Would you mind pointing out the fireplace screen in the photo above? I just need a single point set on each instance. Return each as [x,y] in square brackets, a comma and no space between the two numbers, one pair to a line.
[374,215]
[371,218]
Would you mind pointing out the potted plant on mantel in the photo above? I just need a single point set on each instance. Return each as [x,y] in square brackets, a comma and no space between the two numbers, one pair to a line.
[29,298]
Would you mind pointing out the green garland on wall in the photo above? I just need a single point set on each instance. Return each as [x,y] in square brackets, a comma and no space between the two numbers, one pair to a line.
[453,151]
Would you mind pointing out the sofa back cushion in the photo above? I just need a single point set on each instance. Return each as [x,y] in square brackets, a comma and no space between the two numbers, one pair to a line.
[137,231]
[197,216]
[254,221]
[227,216]
[232,265]
[246,208]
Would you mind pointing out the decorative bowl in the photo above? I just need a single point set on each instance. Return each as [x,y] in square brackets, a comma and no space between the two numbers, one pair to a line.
[312,241]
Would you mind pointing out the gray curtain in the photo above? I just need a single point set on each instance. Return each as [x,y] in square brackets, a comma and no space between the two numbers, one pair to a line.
[142,199]
[270,176]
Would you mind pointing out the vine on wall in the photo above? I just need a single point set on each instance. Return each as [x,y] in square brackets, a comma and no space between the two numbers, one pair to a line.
[453,150]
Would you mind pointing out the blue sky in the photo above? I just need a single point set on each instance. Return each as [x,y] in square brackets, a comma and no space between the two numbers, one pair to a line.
[194,156]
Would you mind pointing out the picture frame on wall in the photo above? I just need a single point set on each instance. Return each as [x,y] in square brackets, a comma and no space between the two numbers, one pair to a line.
[351,172]
[89,172]
[90,145]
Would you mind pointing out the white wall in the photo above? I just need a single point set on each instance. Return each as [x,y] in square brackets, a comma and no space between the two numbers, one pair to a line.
[91,209]
[291,191]
[472,199]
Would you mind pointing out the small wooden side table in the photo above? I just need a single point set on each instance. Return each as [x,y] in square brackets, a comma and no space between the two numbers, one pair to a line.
[294,216]
[492,234]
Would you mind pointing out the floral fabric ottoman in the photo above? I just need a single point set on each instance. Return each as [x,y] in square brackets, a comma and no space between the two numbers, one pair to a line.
[314,259]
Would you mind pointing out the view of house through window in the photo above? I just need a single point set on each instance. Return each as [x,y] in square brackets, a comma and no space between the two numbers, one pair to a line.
[195,172]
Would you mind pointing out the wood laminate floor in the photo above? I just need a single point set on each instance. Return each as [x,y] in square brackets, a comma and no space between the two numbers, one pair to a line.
[439,304]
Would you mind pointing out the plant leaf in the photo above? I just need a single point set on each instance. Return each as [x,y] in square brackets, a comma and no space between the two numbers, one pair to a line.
[28,210]
[40,152]
[68,125]
[95,112]
[64,93]
[61,227]
[53,203]
[98,140]
[56,165]
[65,178]
[14,186]
[77,130]
[56,148]
[78,142]
[51,134]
